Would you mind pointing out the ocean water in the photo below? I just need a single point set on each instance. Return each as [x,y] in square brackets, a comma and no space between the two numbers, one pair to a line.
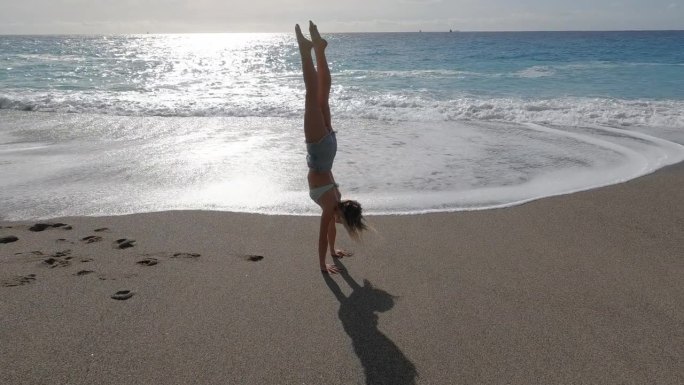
[103,125]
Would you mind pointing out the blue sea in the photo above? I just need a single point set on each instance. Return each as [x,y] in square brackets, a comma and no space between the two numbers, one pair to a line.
[106,125]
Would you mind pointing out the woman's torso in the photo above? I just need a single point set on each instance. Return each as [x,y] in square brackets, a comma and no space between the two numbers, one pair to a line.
[320,179]
[321,154]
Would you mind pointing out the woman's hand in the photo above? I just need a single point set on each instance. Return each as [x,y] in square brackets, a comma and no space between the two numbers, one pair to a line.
[330,269]
[341,253]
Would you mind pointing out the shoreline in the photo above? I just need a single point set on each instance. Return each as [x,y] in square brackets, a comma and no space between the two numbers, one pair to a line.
[576,288]
[675,167]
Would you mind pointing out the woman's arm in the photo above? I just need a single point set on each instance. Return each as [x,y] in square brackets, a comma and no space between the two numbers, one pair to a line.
[332,234]
[327,219]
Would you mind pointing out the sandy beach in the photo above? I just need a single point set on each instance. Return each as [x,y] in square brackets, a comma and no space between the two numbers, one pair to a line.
[577,289]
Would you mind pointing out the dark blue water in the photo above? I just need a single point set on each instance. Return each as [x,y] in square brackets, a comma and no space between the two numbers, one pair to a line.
[624,65]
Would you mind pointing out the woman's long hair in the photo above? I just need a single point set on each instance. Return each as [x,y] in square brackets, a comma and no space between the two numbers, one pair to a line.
[352,218]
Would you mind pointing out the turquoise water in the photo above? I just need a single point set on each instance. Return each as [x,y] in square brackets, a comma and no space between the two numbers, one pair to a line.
[427,121]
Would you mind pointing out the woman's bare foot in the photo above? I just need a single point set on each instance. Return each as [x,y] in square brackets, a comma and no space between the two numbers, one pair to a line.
[318,42]
[341,254]
[305,44]
[330,269]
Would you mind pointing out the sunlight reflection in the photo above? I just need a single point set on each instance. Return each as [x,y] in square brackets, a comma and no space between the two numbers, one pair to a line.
[211,72]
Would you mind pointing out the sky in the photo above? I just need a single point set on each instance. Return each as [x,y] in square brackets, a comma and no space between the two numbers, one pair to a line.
[182,16]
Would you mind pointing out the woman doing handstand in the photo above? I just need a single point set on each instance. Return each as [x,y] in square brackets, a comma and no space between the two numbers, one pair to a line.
[321,147]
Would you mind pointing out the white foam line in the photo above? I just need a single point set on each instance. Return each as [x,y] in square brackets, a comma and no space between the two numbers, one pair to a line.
[646,167]
[661,161]
[627,152]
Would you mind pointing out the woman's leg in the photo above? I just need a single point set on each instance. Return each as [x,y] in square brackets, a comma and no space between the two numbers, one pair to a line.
[314,123]
[324,80]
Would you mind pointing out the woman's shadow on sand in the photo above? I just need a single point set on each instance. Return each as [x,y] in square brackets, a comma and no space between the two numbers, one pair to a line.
[382,361]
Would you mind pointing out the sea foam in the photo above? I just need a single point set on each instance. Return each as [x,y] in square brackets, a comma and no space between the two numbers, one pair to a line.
[81,164]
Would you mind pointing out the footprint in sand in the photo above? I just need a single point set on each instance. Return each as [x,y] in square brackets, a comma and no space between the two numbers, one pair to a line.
[44,226]
[18,280]
[84,260]
[148,261]
[122,295]
[58,259]
[91,239]
[54,262]
[83,272]
[154,258]
[9,239]
[101,229]
[124,243]
[31,254]
[185,255]
[40,226]
[253,258]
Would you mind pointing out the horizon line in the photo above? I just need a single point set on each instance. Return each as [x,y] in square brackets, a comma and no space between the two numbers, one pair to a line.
[340,32]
